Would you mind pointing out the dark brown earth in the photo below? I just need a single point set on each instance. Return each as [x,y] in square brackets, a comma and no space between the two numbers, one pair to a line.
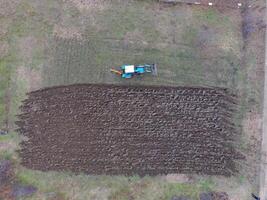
[107,129]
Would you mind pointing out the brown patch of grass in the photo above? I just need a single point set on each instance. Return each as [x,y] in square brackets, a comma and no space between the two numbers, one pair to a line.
[4,47]
[134,37]
[91,4]
[5,146]
[252,123]
[67,32]
[8,8]
[26,46]
[122,194]
[6,193]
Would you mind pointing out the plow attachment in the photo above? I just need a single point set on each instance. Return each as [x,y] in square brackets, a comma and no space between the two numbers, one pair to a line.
[116,71]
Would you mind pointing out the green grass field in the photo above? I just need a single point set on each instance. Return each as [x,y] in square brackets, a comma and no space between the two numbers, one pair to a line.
[187,47]
[53,42]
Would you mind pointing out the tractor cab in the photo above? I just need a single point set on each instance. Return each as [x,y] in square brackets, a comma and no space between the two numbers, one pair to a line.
[128,71]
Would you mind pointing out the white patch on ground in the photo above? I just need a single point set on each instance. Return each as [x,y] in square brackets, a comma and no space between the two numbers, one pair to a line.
[162,45]
[177,178]
[67,32]
[31,77]
[168,73]
[100,193]
[91,5]
[4,48]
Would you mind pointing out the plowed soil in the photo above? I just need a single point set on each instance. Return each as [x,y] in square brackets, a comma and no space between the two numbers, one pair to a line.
[107,129]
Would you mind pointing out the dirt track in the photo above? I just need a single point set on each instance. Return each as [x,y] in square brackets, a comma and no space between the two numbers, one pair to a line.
[129,130]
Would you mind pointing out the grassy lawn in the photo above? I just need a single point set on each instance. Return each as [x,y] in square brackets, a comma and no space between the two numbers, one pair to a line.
[171,37]
[191,46]
[107,187]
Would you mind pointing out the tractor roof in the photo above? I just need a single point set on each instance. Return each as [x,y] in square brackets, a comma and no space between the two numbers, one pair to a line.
[129,68]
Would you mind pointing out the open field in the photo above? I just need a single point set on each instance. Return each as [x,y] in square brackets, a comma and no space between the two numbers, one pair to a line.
[55,42]
[103,129]
[188,45]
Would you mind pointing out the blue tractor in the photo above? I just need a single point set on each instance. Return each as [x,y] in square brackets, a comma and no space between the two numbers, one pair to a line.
[128,71]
